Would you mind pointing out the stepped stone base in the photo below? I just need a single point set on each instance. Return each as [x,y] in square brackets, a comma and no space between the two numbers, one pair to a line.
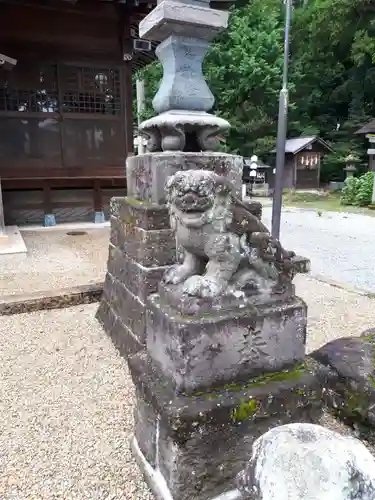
[194,446]
[141,249]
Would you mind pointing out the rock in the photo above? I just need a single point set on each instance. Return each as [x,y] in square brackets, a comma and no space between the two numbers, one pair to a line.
[351,357]
[351,379]
[308,462]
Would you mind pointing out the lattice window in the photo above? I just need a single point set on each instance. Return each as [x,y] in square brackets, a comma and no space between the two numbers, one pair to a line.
[29,88]
[91,90]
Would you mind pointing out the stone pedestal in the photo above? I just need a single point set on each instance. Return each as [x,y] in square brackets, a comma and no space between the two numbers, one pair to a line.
[147,174]
[214,348]
[193,446]
[142,245]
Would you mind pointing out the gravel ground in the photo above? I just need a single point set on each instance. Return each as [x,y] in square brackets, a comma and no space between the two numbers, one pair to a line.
[66,398]
[339,245]
[55,260]
[65,410]
[333,312]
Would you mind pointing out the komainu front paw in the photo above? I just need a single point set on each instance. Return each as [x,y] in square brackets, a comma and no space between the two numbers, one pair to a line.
[201,286]
[177,274]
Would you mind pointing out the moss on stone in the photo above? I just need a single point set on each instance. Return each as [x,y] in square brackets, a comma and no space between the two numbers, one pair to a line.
[354,407]
[129,220]
[300,392]
[245,410]
[140,203]
[264,379]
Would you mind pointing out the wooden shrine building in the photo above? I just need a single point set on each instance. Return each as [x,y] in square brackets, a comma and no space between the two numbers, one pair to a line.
[66,124]
[303,156]
[368,131]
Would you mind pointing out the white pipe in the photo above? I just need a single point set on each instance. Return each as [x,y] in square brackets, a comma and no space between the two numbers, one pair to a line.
[230,495]
[140,91]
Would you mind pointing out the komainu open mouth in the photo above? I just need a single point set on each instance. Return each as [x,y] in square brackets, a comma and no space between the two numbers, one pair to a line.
[191,202]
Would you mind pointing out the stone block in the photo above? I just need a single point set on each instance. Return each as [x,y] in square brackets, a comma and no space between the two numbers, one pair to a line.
[147,174]
[201,351]
[176,18]
[156,247]
[117,234]
[140,280]
[122,337]
[201,442]
[151,248]
[126,306]
[144,215]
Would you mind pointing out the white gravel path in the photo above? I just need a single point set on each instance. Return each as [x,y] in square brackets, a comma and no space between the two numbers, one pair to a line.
[341,246]
[55,260]
[66,398]
[65,410]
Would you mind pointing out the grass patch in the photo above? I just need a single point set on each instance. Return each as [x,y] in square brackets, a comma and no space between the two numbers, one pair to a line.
[322,201]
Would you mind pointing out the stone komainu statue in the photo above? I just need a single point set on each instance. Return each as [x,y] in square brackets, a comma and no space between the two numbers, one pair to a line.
[226,246]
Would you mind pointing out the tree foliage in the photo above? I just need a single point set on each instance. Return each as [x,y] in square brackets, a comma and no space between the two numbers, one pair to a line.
[331,75]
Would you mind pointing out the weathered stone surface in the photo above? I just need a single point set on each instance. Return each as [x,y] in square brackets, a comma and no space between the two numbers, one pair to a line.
[154,247]
[183,130]
[191,20]
[349,377]
[230,300]
[140,214]
[194,351]
[227,249]
[150,248]
[351,357]
[145,428]
[122,338]
[301,461]
[126,306]
[147,174]
[140,240]
[203,441]
[140,280]
[183,86]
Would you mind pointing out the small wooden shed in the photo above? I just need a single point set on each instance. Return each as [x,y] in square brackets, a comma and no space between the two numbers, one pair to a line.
[368,131]
[303,157]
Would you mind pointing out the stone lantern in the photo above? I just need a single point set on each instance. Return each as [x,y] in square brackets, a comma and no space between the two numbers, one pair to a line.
[350,168]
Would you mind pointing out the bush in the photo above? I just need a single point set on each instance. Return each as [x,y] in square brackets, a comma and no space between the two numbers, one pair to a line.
[358,190]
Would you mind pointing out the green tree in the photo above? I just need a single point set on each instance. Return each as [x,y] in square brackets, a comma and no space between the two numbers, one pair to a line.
[244,69]
[332,75]
[333,47]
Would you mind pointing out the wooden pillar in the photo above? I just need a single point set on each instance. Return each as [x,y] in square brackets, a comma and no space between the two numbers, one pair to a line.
[2,223]
[128,104]
[295,172]
[318,169]
[6,63]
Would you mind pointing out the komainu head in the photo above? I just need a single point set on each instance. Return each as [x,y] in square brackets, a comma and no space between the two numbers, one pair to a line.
[195,191]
